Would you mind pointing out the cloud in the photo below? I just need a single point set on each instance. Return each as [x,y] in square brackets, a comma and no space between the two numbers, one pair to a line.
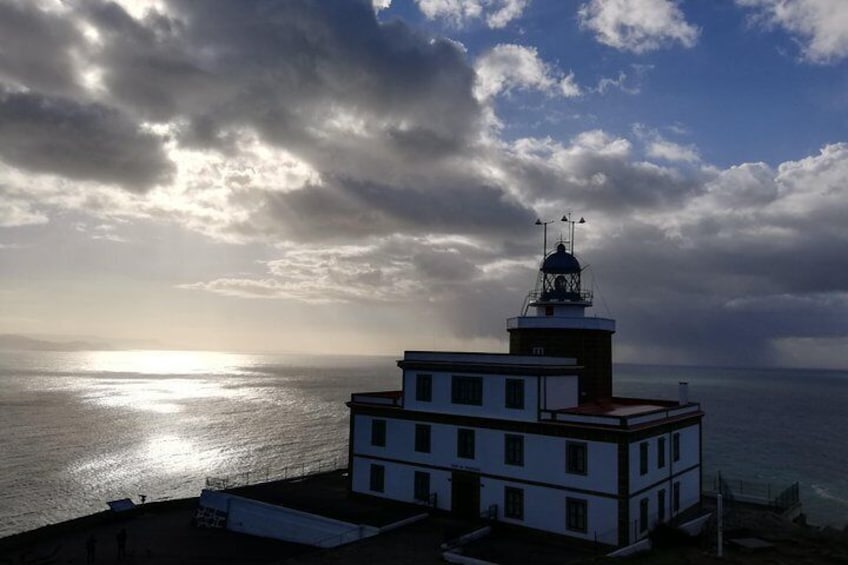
[657,147]
[508,67]
[638,26]
[820,26]
[569,87]
[670,151]
[505,12]
[762,251]
[362,155]
[459,13]
[79,141]
[14,212]
[594,171]
[359,209]
[627,82]
[326,83]
[443,277]
[37,48]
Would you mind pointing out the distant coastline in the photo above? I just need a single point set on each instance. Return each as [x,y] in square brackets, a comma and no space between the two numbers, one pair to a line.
[18,342]
[12,342]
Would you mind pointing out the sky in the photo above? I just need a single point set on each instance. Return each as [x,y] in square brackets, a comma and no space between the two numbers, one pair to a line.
[344,176]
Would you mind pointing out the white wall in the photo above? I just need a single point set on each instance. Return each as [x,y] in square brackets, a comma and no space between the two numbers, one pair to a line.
[690,495]
[544,456]
[690,452]
[278,522]
[690,488]
[494,398]
[634,527]
[400,481]
[560,392]
[690,448]
[545,509]
[655,473]
[664,478]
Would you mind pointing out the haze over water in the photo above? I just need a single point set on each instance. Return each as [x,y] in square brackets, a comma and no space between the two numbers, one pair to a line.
[80,428]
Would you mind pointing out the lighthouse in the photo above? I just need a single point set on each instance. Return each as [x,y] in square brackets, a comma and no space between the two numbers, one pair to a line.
[532,437]
[554,323]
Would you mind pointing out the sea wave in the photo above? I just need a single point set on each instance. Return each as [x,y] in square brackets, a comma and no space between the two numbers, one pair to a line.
[825,493]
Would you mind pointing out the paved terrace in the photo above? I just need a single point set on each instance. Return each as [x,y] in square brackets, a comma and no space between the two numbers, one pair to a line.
[163,533]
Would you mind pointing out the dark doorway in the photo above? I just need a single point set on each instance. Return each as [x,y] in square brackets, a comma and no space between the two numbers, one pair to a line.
[465,494]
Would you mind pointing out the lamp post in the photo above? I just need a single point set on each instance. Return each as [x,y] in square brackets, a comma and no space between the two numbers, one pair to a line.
[545,240]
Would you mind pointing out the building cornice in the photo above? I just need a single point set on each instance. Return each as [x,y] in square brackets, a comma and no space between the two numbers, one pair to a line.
[557,429]
[526,370]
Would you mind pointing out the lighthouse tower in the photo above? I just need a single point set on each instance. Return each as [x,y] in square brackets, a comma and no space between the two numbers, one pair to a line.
[554,323]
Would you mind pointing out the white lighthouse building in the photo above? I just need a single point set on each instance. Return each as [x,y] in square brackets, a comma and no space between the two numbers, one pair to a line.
[533,437]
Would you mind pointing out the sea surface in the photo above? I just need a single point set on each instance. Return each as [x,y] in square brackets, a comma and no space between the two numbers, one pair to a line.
[78,429]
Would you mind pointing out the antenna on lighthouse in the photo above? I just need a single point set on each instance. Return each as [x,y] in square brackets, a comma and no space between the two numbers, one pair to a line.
[567,219]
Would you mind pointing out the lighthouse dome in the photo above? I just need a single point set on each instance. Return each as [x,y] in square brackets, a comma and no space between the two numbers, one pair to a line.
[560,262]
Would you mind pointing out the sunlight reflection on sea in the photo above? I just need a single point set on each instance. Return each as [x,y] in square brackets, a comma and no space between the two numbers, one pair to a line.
[79,429]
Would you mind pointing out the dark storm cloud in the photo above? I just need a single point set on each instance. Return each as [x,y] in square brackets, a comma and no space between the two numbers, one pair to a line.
[78,141]
[725,296]
[709,329]
[353,209]
[151,68]
[291,71]
[280,67]
[35,48]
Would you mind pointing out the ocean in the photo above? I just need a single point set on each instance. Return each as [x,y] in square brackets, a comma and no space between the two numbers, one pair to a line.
[78,429]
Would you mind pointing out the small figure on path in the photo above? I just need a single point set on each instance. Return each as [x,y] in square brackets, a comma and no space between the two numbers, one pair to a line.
[121,538]
[90,546]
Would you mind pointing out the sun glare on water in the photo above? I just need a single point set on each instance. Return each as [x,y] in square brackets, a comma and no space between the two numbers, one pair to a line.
[158,381]
[161,362]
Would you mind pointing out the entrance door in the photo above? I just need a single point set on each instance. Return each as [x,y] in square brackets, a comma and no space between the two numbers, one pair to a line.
[465,494]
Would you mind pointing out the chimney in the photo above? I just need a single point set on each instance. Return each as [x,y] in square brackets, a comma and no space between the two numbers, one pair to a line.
[683,392]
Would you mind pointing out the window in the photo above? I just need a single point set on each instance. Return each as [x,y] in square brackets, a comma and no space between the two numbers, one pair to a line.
[575,457]
[675,447]
[675,497]
[465,443]
[378,433]
[661,452]
[538,350]
[513,450]
[467,390]
[378,478]
[423,388]
[514,503]
[661,505]
[575,515]
[643,458]
[422,438]
[422,486]
[515,393]
[643,515]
